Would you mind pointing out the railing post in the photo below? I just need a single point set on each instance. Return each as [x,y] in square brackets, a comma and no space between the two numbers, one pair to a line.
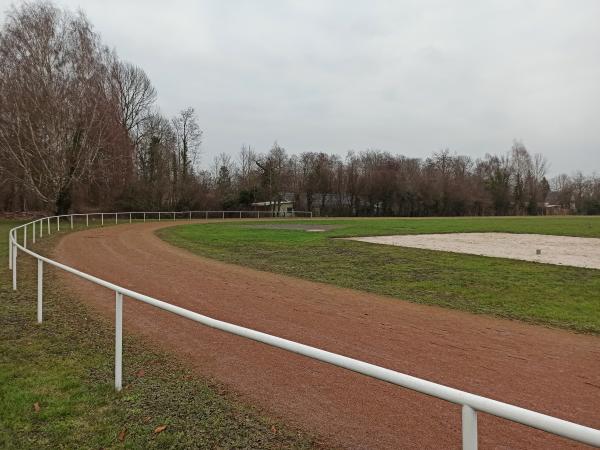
[40,287]
[58,224]
[159,216]
[87,220]
[144,217]
[25,236]
[49,227]
[71,221]
[33,233]
[118,340]
[102,218]
[190,215]
[116,218]
[10,250]
[258,214]
[173,216]
[41,228]
[205,215]
[469,428]
[240,214]
[223,214]
[129,217]
[14,267]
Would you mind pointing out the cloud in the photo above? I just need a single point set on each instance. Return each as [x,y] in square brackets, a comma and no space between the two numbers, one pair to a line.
[408,76]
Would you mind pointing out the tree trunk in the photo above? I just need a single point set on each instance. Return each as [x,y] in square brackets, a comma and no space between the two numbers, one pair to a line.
[64,201]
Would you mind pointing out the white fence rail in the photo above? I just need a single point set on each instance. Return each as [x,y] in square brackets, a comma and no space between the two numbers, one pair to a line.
[470,403]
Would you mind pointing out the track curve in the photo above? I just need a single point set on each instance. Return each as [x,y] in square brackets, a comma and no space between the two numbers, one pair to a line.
[551,371]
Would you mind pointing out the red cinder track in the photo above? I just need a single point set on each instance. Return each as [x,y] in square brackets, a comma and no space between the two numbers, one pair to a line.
[551,371]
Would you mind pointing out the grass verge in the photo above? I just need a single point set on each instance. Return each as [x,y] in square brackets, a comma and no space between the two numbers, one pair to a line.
[560,296]
[56,382]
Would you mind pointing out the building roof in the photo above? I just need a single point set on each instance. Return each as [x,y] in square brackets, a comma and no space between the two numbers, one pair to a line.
[283,202]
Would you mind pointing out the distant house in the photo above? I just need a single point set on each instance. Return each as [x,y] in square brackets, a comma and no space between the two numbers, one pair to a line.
[555,210]
[282,208]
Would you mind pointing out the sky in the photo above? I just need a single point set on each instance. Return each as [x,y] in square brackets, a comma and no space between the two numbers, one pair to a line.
[408,77]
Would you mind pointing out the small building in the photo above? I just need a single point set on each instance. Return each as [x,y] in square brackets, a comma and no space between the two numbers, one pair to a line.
[282,208]
[555,210]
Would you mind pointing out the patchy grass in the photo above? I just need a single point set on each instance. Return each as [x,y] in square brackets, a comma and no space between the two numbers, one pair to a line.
[56,383]
[559,296]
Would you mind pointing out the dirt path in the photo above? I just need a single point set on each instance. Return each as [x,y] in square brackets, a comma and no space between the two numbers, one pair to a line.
[551,371]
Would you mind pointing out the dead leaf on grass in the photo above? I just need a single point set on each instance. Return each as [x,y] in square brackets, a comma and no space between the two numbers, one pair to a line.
[36,407]
[122,434]
[160,429]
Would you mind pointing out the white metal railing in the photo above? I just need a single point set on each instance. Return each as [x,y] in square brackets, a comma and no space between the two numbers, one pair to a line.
[470,403]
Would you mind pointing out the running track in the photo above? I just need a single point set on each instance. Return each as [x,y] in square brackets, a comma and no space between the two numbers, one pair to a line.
[551,371]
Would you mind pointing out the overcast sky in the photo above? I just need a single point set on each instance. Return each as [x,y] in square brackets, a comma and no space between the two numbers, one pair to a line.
[409,77]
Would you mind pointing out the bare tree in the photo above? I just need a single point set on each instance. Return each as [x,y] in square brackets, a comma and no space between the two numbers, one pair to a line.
[273,168]
[189,138]
[55,116]
[135,95]
[247,175]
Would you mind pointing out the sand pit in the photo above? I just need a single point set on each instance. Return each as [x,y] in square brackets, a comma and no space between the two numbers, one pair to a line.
[561,250]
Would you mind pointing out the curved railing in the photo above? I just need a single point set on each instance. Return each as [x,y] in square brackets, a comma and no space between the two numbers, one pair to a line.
[470,403]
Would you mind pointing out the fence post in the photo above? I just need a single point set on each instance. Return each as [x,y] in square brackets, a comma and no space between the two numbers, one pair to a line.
[14,266]
[33,233]
[190,215]
[116,218]
[10,250]
[40,284]
[87,220]
[118,340]
[173,216]
[205,215]
[71,221]
[129,217]
[469,428]
[144,217]
[159,216]
[41,228]
[102,218]
[49,228]
[57,223]
[223,214]
[25,236]
[258,214]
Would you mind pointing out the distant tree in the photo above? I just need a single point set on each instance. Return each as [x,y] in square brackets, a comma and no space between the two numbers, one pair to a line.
[135,95]
[273,168]
[495,173]
[154,151]
[188,138]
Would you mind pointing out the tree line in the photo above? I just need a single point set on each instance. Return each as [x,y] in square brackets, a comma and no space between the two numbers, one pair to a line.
[377,183]
[80,130]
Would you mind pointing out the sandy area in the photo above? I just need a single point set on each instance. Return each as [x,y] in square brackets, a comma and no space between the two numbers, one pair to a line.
[561,250]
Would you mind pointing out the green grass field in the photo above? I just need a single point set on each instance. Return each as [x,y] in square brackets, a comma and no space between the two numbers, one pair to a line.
[65,367]
[560,296]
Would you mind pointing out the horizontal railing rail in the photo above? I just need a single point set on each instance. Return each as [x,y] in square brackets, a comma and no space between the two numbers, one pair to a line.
[470,403]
